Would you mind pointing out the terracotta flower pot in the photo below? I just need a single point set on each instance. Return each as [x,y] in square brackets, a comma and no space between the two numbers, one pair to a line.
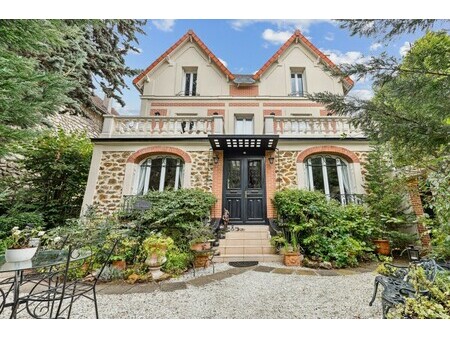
[382,246]
[119,265]
[292,259]
[201,261]
[201,246]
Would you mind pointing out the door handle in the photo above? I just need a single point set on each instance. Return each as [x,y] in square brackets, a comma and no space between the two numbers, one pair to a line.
[246,194]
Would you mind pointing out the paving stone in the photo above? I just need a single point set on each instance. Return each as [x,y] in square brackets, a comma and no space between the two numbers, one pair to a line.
[305,272]
[264,268]
[361,270]
[283,271]
[144,288]
[346,272]
[101,286]
[116,289]
[327,273]
[173,286]
[220,275]
[200,281]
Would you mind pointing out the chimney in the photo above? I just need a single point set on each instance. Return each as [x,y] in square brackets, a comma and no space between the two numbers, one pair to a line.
[107,103]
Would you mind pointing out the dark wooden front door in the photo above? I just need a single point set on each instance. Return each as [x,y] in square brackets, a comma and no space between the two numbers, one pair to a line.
[244,190]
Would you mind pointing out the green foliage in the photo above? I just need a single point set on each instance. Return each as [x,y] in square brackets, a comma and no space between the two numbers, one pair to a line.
[177,261]
[157,244]
[56,167]
[324,228]
[20,220]
[48,64]
[178,214]
[435,305]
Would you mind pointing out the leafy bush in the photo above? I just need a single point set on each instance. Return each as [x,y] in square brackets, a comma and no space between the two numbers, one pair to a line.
[20,220]
[55,170]
[177,214]
[326,229]
[436,305]
[177,261]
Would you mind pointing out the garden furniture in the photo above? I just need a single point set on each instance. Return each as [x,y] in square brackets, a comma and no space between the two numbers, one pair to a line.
[397,286]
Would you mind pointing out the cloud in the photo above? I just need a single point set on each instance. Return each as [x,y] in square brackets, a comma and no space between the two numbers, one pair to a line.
[224,62]
[276,38]
[363,94]
[164,25]
[405,49]
[348,57]
[329,36]
[139,51]
[290,24]
[375,46]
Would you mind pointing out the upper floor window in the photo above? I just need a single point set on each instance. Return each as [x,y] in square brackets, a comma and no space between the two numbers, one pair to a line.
[160,173]
[190,81]
[296,83]
[330,175]
[243,125]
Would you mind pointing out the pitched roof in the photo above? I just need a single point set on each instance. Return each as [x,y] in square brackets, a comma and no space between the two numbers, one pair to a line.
[189,35]
[98,103]
[295,37]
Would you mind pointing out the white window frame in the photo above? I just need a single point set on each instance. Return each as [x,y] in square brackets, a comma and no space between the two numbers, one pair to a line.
[189,73]
[248,125]
[340,174]
[180,166]
[298,91]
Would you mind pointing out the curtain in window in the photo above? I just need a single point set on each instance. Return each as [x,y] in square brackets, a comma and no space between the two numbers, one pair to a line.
[141,182]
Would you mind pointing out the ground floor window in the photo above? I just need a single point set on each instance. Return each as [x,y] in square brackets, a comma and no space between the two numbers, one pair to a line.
[160,173]
[330,175]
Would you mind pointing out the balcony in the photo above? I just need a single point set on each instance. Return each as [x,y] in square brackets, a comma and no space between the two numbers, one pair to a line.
[198,127]
[161,126]
[307,127]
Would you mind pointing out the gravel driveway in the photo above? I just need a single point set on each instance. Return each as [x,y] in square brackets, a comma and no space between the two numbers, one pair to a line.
[251,294]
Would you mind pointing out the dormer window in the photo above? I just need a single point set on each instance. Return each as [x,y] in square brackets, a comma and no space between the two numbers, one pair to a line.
[190,81]
[296,82]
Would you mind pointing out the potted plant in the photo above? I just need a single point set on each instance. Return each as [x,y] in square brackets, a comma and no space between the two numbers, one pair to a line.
[156,246]
[382,243]
[23,244]
[291,252]
[200,238]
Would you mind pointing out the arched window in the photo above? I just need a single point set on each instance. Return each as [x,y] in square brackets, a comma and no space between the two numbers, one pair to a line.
[330,175]
[160,173]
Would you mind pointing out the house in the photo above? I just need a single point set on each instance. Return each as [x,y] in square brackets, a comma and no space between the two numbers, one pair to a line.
[240,136]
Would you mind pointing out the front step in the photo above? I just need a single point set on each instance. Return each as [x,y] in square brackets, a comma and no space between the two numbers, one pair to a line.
[250,244]
[247,258]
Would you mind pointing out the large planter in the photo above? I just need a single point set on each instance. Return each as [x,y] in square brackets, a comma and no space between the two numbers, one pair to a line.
[382,247]
[201,261]
[292,259]
[19,255]
[201,246]
[155,261]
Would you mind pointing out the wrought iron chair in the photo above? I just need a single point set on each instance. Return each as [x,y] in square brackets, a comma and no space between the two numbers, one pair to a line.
[86,287]
[46,298]
[2,300]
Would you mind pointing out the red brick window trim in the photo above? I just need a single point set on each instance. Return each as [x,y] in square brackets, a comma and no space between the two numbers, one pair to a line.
[140,155]
[333,150]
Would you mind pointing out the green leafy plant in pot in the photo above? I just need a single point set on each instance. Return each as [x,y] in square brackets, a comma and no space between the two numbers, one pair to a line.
[23,244]
[156,246]
[200,238]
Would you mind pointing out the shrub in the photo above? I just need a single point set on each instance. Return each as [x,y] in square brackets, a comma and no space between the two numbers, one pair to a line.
[177,261]
[326,229]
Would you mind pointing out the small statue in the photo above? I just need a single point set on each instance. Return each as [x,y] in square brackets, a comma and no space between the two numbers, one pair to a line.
[225,219]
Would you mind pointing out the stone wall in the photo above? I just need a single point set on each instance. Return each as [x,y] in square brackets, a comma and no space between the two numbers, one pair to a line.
[201,173]
[286,169]
[108,189]
[362,156]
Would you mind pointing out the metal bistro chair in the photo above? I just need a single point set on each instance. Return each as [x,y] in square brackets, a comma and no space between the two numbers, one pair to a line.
[69,291]
[46,298]
[86,287]
[2,301]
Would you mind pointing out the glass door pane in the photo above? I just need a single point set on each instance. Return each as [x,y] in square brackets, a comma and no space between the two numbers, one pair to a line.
[234,174]
[254,174]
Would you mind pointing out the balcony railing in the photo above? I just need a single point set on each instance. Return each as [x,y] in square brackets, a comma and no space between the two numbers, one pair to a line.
[324,126]
[154,126]
[189,126]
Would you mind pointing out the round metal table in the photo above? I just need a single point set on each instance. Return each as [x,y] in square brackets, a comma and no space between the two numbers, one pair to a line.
[42,259]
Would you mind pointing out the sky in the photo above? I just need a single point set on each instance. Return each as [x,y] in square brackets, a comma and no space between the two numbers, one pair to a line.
[245,45]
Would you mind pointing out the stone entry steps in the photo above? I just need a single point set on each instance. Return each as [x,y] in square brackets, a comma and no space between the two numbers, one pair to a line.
[250,244]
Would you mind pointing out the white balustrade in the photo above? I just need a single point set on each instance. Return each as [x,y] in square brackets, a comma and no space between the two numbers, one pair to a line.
[324,126]
[155,126]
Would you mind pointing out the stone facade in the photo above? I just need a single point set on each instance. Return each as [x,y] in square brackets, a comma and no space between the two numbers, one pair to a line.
[90,123]
[362,155]
[108,189]
[286,169]
[201,175]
